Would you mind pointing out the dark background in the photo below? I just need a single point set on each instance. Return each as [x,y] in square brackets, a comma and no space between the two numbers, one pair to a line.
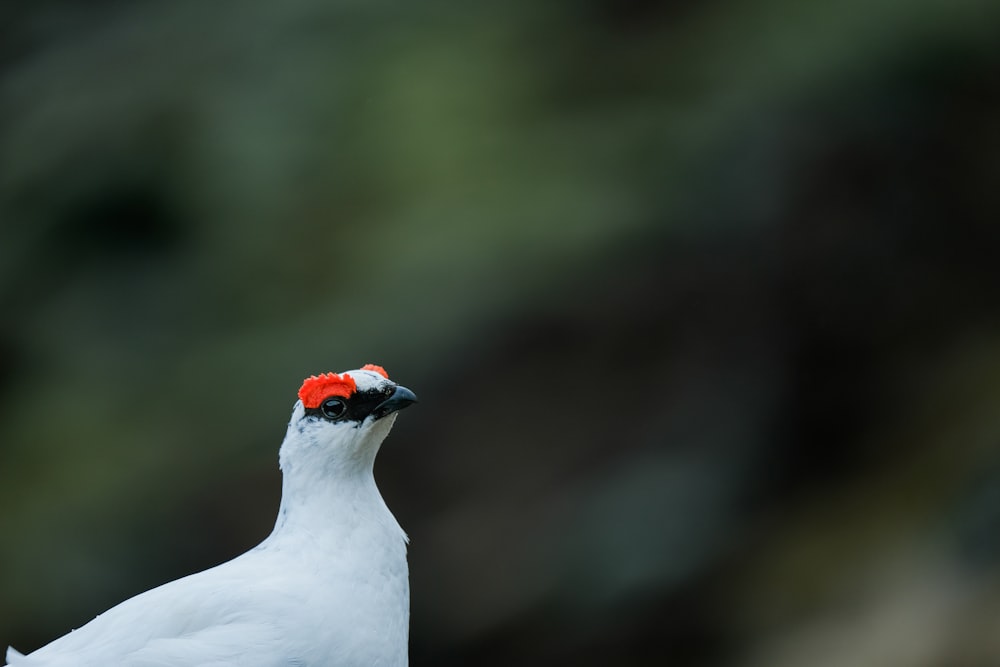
[700,300]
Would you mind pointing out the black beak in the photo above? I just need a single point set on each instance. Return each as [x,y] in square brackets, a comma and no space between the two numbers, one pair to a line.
[399,400]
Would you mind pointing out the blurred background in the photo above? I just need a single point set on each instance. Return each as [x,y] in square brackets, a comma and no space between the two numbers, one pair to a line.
[700,299]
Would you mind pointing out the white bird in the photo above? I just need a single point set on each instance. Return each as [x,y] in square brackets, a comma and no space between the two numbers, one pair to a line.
[328,587]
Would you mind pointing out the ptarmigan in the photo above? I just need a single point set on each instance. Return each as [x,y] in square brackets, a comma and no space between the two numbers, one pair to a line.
[329,587]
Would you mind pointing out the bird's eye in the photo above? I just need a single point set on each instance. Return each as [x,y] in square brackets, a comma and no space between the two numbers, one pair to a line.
[333,408]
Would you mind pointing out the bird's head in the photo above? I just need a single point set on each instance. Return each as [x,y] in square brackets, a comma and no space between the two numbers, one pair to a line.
[340,420]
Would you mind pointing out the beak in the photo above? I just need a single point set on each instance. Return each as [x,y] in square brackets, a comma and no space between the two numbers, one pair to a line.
[400,398]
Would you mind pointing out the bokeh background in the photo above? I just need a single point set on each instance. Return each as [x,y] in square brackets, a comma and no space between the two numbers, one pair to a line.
[702,302]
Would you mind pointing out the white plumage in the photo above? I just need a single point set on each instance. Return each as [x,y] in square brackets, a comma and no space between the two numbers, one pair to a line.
[328,587]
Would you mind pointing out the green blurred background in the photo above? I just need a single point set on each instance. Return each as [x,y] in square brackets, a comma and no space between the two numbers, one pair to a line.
[700,299]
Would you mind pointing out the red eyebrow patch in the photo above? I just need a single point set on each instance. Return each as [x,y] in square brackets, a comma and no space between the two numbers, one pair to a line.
[316,388]
[377,369]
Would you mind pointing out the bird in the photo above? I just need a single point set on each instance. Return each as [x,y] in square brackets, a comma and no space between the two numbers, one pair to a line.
[328,587]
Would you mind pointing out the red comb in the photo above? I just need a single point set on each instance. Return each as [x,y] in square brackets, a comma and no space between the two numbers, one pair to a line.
[377,369]
[316,388]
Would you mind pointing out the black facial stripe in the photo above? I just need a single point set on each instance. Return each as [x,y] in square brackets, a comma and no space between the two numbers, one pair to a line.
[359,405]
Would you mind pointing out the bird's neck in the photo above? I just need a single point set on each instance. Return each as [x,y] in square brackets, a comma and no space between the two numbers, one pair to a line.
[328,492]
[334,508]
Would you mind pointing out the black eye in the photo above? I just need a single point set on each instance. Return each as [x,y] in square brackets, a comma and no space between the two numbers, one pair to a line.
[333,408]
